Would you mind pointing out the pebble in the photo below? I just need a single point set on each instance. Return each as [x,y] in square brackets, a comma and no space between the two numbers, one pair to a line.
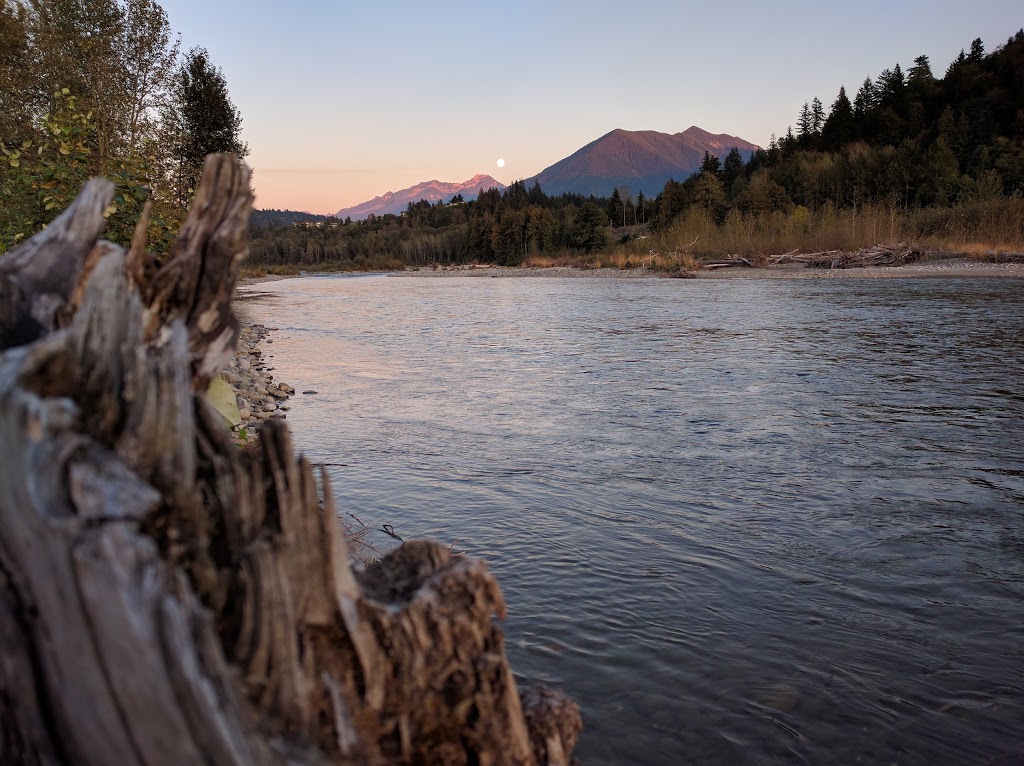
[258,397]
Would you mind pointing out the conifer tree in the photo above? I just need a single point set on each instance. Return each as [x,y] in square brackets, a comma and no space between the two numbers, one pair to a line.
[817,116]
[840,126]
[710,164]
[204,119]
[805,125]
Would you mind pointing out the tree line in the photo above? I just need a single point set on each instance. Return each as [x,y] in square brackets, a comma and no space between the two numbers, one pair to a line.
[101,87]
[501,227]
[906,141]
[911,154]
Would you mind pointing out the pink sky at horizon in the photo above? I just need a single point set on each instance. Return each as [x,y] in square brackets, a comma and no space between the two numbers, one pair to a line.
[345,101]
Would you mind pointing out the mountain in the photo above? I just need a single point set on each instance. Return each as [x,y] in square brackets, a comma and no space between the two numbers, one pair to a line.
[432,191]
[642,160]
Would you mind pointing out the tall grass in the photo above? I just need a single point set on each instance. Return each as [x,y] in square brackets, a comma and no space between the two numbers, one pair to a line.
[977,227]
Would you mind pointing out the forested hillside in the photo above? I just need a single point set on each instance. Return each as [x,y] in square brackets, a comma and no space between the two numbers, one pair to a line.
[498,227]
[102,88]
[912,155]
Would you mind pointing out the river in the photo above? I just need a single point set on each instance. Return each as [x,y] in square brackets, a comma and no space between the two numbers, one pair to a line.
[739,521]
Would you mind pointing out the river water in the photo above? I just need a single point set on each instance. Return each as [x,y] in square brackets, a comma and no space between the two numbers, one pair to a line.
[738,521]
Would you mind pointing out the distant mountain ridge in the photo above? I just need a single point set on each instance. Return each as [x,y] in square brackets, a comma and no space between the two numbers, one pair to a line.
[642,160]
[432,191]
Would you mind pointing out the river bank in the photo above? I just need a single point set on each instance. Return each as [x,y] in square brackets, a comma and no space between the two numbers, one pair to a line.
[958,267]
[257,396]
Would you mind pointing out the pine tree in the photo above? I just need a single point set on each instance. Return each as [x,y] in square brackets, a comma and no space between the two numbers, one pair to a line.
[866,100]
[817,116]
[206,119]
[920,75]
[891,88]
[840,126]
[732,168]
[710,164]
[615,208]
[805,125]
[977,51]
[19,102]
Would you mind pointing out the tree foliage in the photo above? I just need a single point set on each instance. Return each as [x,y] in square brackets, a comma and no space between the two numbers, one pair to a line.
[99,88]
[203,117]
[498,227]
[907,141]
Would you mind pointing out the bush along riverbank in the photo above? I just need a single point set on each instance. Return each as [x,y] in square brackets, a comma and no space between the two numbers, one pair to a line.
[257,397]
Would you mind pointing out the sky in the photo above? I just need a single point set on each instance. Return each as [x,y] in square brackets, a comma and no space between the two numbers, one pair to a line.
[344,101]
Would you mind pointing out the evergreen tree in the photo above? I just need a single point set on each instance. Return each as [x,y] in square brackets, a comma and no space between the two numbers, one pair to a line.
[817,116]
[536,196]
[615,208]
[891,88]
[920,75]
[205,117]
[866,100]
[733,168]
[840,126]
[588,228]
[710,164]
[977,53]
[805,125]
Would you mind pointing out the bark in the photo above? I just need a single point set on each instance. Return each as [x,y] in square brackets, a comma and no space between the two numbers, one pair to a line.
[166,598]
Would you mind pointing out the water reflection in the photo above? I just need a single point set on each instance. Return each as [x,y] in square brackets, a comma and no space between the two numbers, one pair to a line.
[739,521]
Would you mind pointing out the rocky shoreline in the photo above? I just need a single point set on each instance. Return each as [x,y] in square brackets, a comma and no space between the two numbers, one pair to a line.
[258,397]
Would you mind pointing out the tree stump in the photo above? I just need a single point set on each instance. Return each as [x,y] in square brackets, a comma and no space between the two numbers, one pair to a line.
[166,598]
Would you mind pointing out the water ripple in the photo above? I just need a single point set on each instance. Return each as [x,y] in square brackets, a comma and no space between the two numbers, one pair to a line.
[739,521]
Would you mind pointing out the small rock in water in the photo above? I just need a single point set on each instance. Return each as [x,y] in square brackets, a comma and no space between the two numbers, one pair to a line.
[309,392]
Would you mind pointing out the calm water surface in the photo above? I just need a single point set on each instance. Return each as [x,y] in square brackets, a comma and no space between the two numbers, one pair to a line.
[739,521]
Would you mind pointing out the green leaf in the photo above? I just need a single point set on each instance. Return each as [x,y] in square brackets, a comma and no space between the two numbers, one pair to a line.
[222,397]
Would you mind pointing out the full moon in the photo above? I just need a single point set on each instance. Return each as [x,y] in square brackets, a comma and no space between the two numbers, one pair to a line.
[501,163]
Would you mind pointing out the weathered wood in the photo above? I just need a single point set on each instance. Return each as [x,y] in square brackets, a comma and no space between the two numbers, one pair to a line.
[879,255]
[166,598]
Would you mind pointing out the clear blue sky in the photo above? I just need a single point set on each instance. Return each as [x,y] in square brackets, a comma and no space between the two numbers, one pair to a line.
[344,101]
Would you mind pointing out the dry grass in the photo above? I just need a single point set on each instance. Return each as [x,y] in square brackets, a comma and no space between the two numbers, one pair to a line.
[355,537]
[983,228]
[559,258]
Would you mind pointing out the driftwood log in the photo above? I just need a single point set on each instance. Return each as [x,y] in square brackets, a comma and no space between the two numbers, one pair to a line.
[879,255]
[166,598]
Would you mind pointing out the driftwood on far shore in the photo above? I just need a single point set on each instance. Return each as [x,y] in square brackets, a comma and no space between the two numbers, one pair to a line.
[166,598]
[879,255]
